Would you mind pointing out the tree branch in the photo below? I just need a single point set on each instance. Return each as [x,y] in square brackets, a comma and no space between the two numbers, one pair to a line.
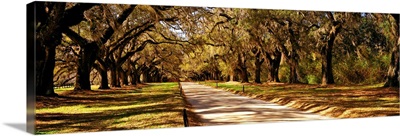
[110,31]
[74,15]
[131,53]
[75,37]
[128,36]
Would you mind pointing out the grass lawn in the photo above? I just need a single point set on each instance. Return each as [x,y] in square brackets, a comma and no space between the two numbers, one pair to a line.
[155,105]
[334,100]
[66,89]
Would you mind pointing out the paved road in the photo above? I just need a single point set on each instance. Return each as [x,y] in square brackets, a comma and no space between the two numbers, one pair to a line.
[218,107]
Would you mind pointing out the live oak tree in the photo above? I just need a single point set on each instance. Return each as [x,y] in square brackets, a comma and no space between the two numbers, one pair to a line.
[52,19]
[228,24]
[48,36]
[89,49]
[277,34]
[333,29]
[133,39]
[117,45]
[362,46]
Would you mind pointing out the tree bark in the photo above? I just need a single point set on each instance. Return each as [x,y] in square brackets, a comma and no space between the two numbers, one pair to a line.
[85,63]
[273,70]
[137,77]
[155,76]
[144,75]
[292,57]
[326,52]
[258,63]
[293,70]
[133,79]
[392,79]
[273,65]
[242,68]
[48,36]
[101,67]
[327,72]
[44,71]
[244,76]
[104,79]
[123,77]
[145,78]
[232,77]
[114,77]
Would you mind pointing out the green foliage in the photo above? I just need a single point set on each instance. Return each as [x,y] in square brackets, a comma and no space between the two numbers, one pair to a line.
[355,70]
[312,79]
[185,43]
[310,69]
[284,72]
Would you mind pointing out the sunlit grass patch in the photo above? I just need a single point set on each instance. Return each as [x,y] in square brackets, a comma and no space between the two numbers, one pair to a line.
[62,90]
[46,132]
[157,105]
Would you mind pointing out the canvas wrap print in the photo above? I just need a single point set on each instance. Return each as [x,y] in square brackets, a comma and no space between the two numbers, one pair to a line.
[103,67]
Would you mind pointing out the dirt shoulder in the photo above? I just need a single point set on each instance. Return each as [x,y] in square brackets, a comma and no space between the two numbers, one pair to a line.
[331,101]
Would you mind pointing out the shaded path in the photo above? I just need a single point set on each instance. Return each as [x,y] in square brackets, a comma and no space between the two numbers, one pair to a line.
[218,107]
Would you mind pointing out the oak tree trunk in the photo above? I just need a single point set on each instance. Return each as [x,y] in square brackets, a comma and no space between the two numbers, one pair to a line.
[244,76]
[44,71]
[85,63]
[292,56]
[273,70]
[104,79]
[258,63]
[293,71]
[326,51]
[48,36]
[137,77]
[242,69]
[327,72]
[101,67]
[133,79]
[273,67]
[258,74]
[232,77]
[103,76]
[114,78]
[393,79]
[123,77]
[145,77]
